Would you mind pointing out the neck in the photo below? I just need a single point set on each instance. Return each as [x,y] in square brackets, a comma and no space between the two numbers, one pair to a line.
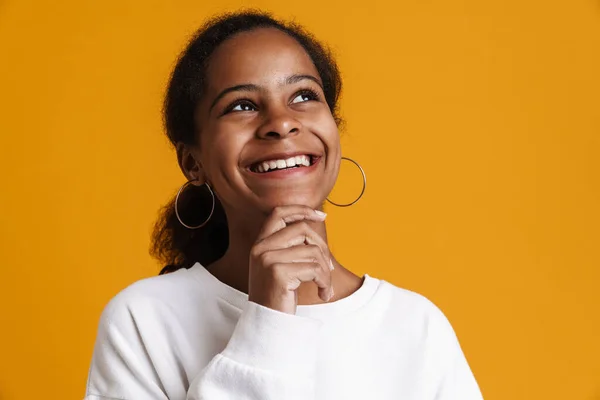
[232,269]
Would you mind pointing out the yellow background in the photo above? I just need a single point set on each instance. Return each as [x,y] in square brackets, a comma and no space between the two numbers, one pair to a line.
[477,122]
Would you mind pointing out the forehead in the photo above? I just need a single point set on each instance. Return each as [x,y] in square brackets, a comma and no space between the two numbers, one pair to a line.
[263,56]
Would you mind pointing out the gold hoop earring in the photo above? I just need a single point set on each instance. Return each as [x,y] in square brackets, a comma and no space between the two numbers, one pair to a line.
[177,210]
[363,188]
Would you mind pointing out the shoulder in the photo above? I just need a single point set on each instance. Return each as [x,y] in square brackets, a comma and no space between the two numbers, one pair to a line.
[137,334]
[417,336]
[417,316]
[409,302]
[152,297]
[423,331]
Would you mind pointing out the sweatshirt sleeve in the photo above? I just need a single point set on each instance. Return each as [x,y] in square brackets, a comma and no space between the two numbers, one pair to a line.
[458,383]
[121,367]
[271,355]
[448,365]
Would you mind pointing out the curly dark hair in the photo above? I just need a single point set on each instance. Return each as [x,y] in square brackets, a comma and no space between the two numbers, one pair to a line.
[172,244]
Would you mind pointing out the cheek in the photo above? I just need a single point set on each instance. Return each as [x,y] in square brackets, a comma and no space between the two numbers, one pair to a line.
[323,125]
[220,153]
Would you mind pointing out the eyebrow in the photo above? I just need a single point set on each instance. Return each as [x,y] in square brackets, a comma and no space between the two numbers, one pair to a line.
[290,80]
[250,87]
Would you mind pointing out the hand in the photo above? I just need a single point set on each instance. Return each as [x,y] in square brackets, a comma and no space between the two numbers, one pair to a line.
[287,253]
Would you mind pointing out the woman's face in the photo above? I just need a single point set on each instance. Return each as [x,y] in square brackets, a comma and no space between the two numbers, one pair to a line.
[267,136]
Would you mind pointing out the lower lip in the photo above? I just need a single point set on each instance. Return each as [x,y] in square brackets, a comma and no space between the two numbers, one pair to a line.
[287,173]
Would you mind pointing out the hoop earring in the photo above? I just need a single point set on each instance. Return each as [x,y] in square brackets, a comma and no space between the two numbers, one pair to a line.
[211,210]
[363,188]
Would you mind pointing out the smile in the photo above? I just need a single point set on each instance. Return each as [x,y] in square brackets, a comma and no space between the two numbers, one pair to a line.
[294,162]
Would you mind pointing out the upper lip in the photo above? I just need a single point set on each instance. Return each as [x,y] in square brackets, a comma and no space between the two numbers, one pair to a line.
[281,156]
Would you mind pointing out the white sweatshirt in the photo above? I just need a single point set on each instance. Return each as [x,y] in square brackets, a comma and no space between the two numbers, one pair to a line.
[186,335]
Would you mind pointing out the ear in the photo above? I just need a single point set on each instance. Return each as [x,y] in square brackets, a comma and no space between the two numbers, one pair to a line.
[189,162]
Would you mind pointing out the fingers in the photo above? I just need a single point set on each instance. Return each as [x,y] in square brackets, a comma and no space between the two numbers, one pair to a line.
[298,272]
[296,254]
[295,235]
[304,254]
[288,252]
[285,215]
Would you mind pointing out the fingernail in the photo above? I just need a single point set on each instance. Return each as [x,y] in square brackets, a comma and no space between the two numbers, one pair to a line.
[331,295]
[331,267]
[320,214]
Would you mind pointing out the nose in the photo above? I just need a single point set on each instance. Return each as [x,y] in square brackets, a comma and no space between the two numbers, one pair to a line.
[278,125]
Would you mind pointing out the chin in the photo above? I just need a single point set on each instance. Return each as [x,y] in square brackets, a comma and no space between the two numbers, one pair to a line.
[308,200]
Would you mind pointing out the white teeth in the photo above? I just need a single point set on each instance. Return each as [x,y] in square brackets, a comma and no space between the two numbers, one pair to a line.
[266,166]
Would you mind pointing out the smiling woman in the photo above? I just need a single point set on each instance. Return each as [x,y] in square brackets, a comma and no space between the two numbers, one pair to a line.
[251,303]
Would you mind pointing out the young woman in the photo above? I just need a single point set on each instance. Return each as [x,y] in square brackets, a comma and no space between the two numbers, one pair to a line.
[254,305]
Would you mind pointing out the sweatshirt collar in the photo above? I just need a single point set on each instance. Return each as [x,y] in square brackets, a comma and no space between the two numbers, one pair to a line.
[323,312]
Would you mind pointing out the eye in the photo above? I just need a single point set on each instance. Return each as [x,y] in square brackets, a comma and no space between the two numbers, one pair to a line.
[304,96]
[238,106]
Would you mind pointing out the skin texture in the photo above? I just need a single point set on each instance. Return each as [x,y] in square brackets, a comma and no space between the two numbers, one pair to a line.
[263,100]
